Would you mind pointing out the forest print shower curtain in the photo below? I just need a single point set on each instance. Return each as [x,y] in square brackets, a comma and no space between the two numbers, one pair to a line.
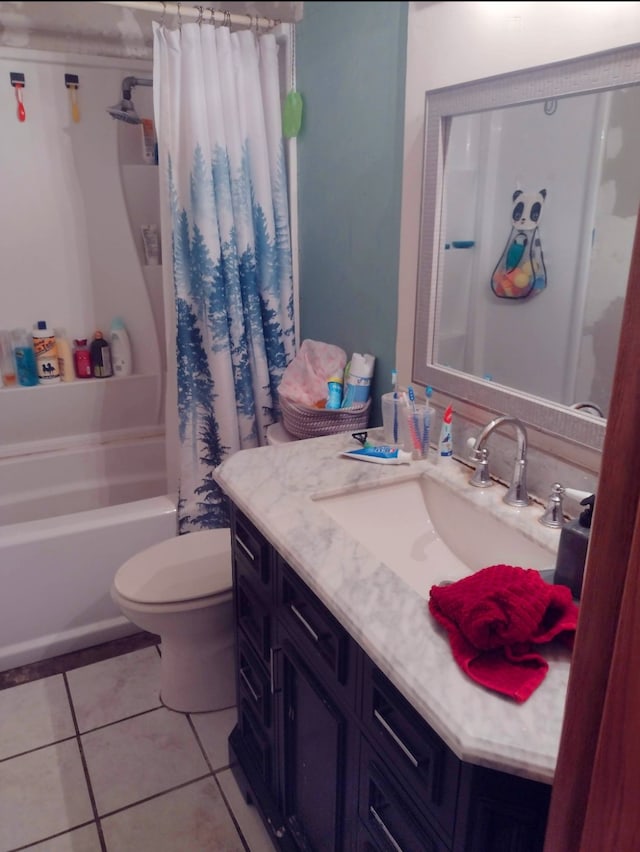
[225,207]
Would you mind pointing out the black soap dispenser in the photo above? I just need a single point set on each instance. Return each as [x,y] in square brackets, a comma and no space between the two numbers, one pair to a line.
[572,550]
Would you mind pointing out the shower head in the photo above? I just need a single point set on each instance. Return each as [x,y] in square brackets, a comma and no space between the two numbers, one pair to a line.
[124,110]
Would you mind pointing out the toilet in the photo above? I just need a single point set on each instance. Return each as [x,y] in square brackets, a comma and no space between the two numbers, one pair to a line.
[277,434]
[181,589]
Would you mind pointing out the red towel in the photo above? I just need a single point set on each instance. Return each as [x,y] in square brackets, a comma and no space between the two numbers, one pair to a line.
[495,617]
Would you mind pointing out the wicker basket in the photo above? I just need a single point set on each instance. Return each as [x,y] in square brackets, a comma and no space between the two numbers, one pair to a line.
[302,421]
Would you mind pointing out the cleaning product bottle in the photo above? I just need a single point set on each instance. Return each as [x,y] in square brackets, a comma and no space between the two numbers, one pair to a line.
[65,358]
[572,550]
[82,359]
[100,357]
[120,349]
[25,358]
[44,343]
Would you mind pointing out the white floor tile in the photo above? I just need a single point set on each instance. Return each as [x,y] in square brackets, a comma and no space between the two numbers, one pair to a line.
[246,816]
[113,689]
[83,839]
[42,793]
[213,730]
[191,819]
[141,757]
[34,714]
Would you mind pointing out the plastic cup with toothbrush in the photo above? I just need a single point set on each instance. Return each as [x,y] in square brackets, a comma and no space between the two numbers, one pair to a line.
[416,426]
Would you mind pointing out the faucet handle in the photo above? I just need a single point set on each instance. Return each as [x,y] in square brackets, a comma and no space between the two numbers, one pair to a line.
[472,444]
[481,477]
[553,515]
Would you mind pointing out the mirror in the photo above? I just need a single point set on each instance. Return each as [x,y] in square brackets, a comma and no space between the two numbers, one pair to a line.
[530,198]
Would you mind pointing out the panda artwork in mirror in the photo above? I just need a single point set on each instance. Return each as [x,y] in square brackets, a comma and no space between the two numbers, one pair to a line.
[521,272]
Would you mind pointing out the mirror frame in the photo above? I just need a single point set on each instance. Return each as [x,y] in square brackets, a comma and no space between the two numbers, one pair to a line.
[611,70]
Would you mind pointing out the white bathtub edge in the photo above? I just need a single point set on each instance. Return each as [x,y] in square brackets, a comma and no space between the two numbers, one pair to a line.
[61,525]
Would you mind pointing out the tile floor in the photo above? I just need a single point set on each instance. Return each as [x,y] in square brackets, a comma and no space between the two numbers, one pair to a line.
[90,761]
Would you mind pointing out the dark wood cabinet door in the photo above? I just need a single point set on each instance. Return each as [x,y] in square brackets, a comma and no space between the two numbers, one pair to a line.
[314,755]
[500,812]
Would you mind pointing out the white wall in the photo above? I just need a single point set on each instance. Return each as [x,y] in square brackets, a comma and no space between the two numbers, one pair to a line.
[68,253]
[455,42]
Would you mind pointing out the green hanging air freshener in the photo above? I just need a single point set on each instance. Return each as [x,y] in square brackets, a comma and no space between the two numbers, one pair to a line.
[292,115]
[292,107]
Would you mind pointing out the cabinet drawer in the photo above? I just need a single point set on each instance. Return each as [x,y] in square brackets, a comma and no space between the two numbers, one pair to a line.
[253,616]
[318,634]
[254,684]
[416,753]
[251,551]
[392,819]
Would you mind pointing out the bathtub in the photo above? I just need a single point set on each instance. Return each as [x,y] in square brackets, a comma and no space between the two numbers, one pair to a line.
[69,518]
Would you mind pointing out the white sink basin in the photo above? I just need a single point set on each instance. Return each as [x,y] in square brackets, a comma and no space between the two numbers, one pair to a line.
[426,532]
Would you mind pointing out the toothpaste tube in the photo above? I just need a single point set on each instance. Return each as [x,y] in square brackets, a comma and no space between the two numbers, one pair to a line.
[379,455]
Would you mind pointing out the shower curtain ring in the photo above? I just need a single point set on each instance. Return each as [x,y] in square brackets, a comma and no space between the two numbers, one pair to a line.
[164,13]
[200,14]
[227,19]
[179,4]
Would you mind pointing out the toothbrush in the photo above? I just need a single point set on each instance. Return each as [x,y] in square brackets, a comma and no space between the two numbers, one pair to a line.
[413,419]
[426,423]
[394,382]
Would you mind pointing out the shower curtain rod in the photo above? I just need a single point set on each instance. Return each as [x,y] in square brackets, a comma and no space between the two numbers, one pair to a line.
[205,14]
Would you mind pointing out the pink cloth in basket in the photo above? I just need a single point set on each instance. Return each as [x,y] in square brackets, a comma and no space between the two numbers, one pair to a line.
[305,379]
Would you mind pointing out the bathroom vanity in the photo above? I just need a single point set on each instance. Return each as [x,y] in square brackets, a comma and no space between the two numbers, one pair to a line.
[356,729]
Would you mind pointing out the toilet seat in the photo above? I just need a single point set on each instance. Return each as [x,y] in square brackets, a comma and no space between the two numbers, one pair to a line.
[185,568]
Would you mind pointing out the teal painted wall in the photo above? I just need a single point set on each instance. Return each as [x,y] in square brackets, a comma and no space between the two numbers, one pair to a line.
[351,61]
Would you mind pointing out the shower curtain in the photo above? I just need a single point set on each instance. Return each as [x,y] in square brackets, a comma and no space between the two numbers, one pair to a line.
[221,156]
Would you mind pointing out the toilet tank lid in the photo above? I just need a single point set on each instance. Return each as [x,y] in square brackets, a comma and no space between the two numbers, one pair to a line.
[190,566]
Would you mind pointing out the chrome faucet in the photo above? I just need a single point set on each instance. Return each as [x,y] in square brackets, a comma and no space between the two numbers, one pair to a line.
[517,494]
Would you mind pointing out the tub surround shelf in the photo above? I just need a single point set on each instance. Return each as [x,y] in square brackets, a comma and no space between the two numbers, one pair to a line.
[76,381]
[275,487]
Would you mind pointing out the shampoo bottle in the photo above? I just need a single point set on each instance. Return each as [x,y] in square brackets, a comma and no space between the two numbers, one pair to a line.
[572,550]
[7,364]
[25,358]
[120,349]
[65,358]
[82,359]
[100,357]
[44,343]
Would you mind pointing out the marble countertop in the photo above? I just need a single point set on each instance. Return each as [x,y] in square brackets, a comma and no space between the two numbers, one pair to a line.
[277,488]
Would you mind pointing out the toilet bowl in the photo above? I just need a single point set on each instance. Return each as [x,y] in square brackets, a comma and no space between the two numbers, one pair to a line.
[181,589]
